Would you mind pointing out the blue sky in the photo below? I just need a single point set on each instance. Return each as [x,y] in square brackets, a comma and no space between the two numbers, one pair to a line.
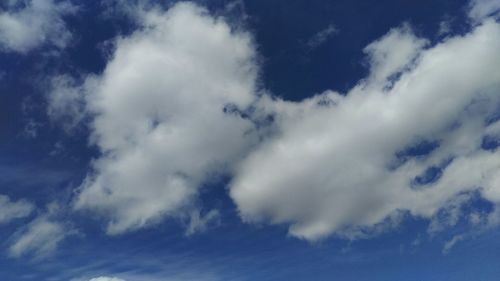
[249,140]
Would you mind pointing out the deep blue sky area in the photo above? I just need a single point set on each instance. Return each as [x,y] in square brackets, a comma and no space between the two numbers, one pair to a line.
[42,162]
[282,29]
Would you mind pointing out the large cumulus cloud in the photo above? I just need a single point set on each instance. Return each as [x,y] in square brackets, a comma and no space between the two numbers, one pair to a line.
[163,115]
[170,113]
[343,164]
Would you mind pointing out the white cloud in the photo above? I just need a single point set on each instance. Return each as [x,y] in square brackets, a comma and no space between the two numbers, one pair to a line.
[66,103]
[332,165]
[159,115]
[449,215]
[199,223]
[322,36]
[10,210]
[392,54]
[41,237]
[451,243]
[28,24]
[103,278]
[480,9]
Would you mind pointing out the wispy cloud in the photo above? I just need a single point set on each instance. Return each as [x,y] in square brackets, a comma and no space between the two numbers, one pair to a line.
[15,175]
[322,36]
[451,243]
[41,237]
[10,210]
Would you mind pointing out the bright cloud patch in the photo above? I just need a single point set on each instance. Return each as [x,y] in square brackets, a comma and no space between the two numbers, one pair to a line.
[102,278]
[10,210]
[39,238]
[483,8]
[29,24]
[164,115]
[350,164]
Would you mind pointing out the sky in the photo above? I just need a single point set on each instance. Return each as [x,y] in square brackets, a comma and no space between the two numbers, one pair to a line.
[147,140]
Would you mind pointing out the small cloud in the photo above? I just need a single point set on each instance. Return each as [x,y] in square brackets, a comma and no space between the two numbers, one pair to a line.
[416,242]
[34,24]
[476,218]
[445,27]
[57,150]
[104,278]
[200,223]
[451,243]
[65,102]
[10,210]
[31,129]
[319,38]
[41,237]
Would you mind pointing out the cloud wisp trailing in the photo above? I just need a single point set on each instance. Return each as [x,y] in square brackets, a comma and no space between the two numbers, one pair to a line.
[321,37]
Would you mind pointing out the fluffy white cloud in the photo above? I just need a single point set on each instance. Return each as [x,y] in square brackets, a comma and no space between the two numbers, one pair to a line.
[163,115]
[10,210]
[391,54]
[40,237]
[337,163]
[31,23]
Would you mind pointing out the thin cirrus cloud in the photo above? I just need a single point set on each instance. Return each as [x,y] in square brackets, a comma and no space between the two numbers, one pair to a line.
[26,25]
[321,37]
[40,237]
[166,116]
